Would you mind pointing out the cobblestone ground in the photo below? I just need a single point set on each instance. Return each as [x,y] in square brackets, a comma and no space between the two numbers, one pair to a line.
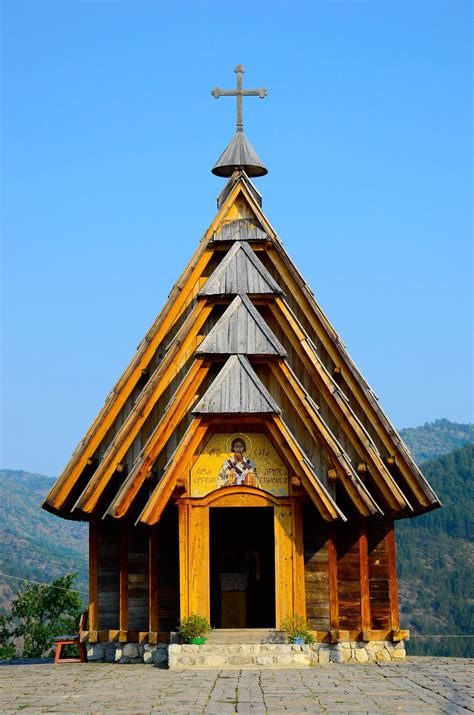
[418,685]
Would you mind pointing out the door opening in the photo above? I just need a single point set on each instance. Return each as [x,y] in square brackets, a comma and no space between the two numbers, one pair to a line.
[242,568]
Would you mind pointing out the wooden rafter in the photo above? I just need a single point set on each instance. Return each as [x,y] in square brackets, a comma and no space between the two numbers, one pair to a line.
[158,500]
[174,360]
[356,490]
[184,291]
[321,498]
[182,401]
[353,378]
[391,492]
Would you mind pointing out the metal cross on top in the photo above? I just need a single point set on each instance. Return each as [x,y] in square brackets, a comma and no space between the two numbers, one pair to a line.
[239,93]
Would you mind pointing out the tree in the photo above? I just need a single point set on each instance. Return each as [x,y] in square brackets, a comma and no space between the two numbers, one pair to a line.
[44,612]
[7,636]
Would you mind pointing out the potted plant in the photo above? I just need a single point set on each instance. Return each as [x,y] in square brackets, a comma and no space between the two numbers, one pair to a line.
[297,629]
[193,628]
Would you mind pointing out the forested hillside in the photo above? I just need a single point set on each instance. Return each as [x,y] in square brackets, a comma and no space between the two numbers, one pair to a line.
[433,439]
[34,544]
[435,561]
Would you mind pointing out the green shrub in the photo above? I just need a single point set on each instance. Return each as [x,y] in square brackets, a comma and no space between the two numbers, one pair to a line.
[193,626]
[297,627]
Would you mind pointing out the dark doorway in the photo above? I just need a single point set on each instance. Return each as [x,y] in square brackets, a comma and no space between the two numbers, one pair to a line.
[242,549]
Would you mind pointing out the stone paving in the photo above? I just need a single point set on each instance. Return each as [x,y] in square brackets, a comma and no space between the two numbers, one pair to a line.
[417,685]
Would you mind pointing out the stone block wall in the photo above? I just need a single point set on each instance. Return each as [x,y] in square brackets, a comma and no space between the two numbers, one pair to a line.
[258,655]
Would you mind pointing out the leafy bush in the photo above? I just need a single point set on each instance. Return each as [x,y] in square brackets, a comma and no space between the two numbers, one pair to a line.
[297,627]
[39,613]
[193,626]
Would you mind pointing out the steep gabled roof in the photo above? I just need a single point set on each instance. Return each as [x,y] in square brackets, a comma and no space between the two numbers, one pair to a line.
[169,398]
[240,331]
[236,391]
[240,272]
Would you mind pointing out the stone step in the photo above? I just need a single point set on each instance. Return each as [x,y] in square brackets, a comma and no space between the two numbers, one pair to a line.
[244,655]
[245,636]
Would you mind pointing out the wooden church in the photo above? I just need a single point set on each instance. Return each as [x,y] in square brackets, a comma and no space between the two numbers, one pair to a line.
[241,468]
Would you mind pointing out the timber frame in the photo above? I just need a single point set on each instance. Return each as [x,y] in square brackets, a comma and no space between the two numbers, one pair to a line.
[242,346]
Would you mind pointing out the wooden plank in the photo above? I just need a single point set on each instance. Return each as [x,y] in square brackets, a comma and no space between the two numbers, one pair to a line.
[153,581]
[199,577]
[236,390]
[241,330]
[123,618]
[93,581]
[182,401]
[175,359]
[162,493]
[299,594]
[364,577]
[184,291]
[284,603]
[392,575]
[183,516]
[240,272]
[333,581]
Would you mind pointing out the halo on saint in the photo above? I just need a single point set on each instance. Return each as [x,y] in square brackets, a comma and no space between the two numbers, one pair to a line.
[239,436]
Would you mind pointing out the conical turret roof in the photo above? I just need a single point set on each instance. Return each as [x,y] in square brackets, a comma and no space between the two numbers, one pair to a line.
[239,154]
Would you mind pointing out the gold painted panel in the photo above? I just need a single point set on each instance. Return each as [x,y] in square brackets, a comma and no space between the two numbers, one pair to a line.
[239,459]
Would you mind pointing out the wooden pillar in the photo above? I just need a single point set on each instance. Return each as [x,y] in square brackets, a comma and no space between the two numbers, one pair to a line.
[93,584]
[283,524]
[333,589]
[299,594]
[364,581]
[183,517]
[392,576]
[153,585]
[123,587]
[194,567]
[199,568]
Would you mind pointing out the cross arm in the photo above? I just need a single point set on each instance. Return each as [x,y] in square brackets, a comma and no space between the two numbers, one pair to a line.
[260,92]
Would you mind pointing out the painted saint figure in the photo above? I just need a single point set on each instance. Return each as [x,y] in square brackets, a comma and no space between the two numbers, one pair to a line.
[238,470]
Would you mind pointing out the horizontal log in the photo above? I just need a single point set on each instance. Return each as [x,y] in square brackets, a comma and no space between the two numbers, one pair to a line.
[322,636]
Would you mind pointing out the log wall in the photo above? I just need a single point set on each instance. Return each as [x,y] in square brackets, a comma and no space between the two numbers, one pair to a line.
[137,579]
[316,569]
[108,575]
[379,584]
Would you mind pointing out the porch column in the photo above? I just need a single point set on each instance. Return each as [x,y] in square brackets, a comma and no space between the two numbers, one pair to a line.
[194,557]
[284,539]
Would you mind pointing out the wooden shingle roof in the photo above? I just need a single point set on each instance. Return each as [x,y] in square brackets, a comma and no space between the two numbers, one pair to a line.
[242,272]
[241,331]
[236,391]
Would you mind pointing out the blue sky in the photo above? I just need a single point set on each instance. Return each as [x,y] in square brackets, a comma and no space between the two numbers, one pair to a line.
[109,132]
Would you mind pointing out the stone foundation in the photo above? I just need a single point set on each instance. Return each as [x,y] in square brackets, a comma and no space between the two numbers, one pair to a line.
[257,655]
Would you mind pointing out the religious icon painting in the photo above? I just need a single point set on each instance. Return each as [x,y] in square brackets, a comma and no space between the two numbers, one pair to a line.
[239,460]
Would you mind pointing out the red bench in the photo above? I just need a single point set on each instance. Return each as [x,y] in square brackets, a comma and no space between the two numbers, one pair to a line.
[61,641]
